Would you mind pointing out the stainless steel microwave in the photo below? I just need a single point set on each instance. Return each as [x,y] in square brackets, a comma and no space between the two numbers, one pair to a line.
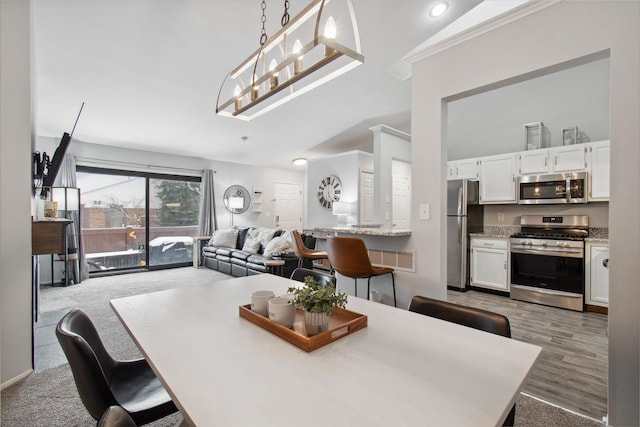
[557,188]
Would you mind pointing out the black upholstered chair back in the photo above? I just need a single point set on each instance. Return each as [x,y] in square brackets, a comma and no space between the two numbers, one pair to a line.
[300,273]
[90,363]
[468,316]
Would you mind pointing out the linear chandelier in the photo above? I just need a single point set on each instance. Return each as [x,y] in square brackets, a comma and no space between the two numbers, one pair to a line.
[293,61]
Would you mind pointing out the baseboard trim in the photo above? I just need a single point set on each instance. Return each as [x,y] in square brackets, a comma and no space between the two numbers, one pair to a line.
[596,309]
[16,379]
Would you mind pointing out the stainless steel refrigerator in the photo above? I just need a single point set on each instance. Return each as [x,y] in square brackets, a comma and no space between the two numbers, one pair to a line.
[464,215]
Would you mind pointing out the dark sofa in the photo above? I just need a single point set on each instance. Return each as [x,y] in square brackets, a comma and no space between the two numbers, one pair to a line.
[233,260]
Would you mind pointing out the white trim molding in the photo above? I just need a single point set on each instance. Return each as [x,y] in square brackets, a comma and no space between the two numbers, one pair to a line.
[431,47]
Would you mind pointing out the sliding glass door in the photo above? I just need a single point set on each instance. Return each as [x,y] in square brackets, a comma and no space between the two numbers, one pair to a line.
[173,220]
[135,220]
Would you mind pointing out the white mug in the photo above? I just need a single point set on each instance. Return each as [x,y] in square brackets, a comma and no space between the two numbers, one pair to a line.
[259,300]
[282,311]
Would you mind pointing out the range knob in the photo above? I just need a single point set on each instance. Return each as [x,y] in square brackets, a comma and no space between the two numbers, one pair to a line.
[544,243]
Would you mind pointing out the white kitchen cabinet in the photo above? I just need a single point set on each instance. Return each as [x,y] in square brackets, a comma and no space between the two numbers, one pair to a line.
[498,179]
[490,263]
[599,171]
[462,169]
[534,161]
[596,274]
[568,158]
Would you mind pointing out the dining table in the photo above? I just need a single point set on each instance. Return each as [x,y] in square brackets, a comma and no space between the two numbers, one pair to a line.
[402,369]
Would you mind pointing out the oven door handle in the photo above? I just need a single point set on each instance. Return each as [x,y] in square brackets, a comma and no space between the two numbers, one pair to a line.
[566,253]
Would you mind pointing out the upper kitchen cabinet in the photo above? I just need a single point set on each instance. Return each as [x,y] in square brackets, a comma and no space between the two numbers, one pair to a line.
[534,161]
[568,158]
[462,169]
[498,179]
[598,171]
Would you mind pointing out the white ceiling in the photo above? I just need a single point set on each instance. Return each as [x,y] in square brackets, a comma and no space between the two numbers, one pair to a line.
[149,72]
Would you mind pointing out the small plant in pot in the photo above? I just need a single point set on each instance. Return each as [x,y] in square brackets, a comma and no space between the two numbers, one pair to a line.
[318,302]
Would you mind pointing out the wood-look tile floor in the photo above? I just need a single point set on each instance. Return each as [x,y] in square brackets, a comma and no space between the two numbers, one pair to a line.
[572,369]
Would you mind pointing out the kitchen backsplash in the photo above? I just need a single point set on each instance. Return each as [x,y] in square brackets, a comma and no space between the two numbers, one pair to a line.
[508,230]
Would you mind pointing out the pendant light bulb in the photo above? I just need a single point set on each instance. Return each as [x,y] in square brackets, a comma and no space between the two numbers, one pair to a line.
[236,95]
[297,48]
[297,60]
[273,81]
[330,28]
[329,33]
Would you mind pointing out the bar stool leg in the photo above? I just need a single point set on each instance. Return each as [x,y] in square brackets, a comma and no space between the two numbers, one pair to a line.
[355,279]
[369,287]
[393,283]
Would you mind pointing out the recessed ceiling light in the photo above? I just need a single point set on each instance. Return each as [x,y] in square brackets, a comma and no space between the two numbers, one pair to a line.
[301,161]
[438,9]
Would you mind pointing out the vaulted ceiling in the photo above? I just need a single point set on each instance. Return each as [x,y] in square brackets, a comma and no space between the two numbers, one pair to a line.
[149,72]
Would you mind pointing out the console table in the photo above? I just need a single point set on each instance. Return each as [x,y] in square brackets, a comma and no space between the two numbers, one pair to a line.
[48,237]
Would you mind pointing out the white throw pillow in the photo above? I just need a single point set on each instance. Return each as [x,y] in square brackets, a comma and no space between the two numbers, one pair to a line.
[277,244]
[225,238]
[251,245]
[286,235]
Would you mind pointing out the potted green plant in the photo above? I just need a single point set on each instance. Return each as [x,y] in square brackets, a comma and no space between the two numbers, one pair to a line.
[318,302]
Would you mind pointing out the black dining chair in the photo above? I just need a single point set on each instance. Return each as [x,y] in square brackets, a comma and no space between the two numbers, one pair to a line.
[467,316]
[102,381]
[299,275]
[115,416]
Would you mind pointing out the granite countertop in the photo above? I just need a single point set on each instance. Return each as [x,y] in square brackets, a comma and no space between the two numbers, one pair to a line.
[497,231]
[366,231]
[596,240]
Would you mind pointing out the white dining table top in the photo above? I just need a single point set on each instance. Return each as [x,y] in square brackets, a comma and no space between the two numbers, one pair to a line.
[403,369]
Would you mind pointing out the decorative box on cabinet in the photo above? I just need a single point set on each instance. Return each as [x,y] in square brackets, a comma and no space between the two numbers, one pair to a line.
[490,263]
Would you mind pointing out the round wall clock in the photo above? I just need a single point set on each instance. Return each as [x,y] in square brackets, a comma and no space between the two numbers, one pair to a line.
[329,191]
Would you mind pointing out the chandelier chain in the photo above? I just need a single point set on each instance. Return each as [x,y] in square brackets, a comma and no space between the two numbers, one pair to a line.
[285,16]
[263,19]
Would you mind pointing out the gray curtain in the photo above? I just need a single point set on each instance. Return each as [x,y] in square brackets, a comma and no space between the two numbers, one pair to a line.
[67,178]
[207,222]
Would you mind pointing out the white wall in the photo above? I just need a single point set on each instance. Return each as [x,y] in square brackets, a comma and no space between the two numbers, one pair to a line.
[15,190]
[226,174]
[388,144]
[515,51]
[346,167]
[492,122]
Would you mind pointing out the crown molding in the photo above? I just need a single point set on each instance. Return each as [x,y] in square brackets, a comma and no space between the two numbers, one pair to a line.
[491,24]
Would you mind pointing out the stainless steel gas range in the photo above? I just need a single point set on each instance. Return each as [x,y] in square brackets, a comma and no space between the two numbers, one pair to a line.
[547,260]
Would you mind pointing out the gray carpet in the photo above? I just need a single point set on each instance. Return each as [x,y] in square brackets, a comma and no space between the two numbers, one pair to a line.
[49,397]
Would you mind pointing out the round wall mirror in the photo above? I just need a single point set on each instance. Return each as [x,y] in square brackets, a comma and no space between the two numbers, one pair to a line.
[236,199]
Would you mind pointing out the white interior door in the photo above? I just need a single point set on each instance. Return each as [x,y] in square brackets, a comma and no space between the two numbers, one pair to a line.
[401,202]
[366,198]
[288,205]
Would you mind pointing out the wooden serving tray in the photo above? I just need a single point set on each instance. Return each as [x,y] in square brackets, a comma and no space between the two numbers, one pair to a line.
[342,323]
